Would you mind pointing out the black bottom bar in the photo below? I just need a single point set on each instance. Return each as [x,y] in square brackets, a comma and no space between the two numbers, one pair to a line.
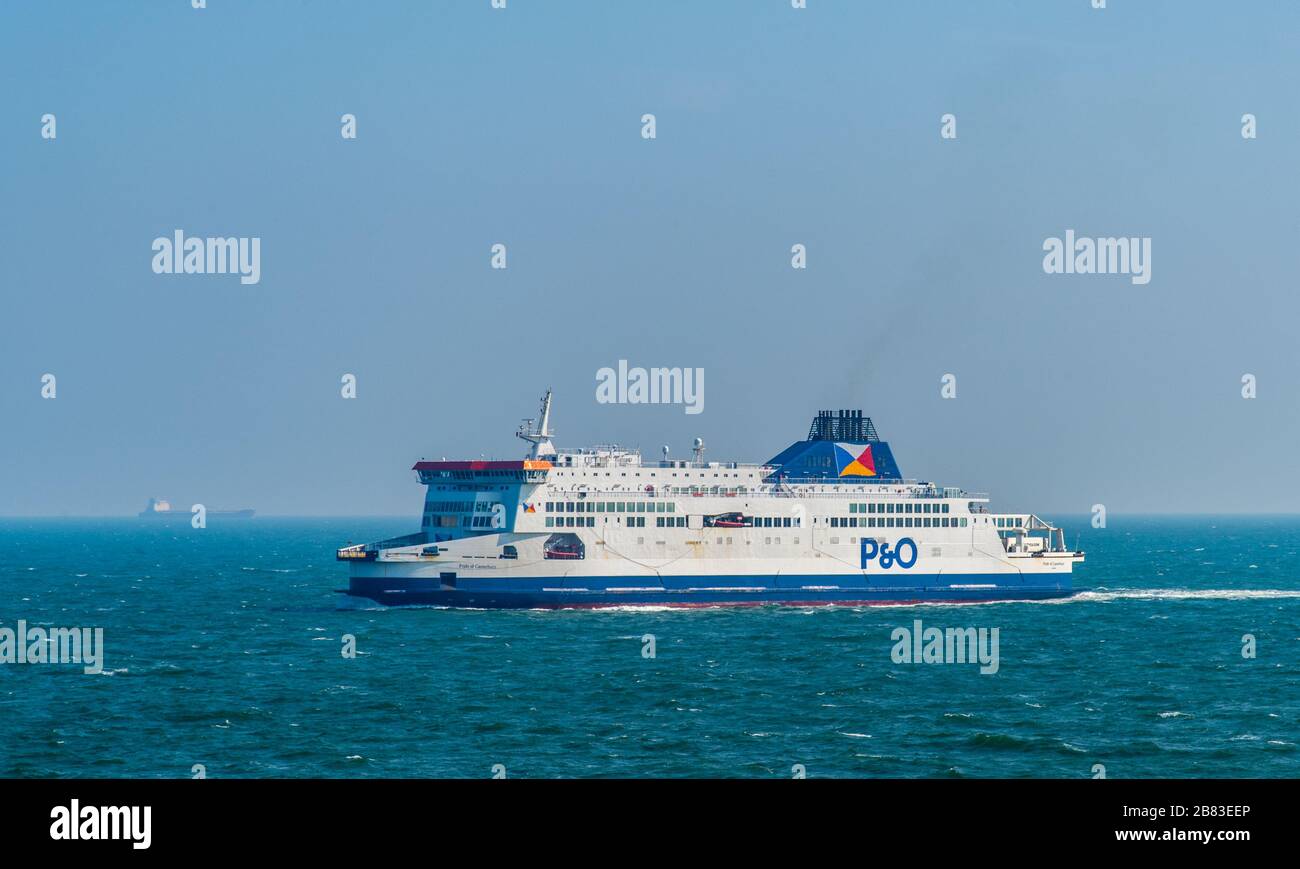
[367,818]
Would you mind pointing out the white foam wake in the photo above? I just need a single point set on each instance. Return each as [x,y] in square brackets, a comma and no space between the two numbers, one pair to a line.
[1181,594]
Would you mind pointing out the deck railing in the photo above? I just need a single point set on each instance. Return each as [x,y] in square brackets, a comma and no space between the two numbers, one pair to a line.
[842,493]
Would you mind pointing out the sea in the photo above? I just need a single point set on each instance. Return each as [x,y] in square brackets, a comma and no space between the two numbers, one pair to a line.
[229,652]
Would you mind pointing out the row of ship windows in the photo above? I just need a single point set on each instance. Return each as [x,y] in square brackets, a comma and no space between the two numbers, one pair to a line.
[898,508]
[478,475]
[666,522]
[432,520]
[671,507]
[590,521]
[611,507]
[702,475]
[900,522]
[703,490]
[757,522]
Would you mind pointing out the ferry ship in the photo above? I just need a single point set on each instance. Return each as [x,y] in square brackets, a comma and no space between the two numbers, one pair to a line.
[828,520]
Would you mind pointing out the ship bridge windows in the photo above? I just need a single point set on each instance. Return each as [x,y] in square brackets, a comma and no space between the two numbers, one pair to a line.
[449,506]
[441,521]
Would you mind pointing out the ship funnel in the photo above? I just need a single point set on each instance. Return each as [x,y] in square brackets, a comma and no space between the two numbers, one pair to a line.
[842,425]
[842,446]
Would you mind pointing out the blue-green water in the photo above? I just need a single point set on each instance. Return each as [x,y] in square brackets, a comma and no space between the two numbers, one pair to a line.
[222,648]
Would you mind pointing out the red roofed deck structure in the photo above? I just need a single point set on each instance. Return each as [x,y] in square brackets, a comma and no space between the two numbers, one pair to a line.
[519,465]
[527,470]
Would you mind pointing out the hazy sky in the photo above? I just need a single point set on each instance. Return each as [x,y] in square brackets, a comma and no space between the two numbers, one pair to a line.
[774,127]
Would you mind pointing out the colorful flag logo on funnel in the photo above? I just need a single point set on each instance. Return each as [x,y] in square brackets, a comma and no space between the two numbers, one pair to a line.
[852,463]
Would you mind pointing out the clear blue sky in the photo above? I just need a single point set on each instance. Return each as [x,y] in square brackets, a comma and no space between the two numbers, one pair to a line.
[522,126]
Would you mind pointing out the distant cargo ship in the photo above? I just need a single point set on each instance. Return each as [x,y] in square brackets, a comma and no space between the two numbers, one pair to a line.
[160,509]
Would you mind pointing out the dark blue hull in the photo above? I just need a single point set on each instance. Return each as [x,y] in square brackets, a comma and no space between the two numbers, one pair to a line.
[704,591]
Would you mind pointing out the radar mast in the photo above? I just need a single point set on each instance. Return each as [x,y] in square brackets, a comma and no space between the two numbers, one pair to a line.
[539,437]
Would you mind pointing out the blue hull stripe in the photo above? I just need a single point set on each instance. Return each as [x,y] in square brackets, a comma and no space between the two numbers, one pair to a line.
[594,591]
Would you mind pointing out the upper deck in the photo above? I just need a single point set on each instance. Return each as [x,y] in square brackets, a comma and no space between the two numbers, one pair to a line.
[843,456]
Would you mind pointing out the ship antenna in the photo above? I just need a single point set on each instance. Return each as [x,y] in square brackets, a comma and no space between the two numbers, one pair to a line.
[539,437]
[546,415]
